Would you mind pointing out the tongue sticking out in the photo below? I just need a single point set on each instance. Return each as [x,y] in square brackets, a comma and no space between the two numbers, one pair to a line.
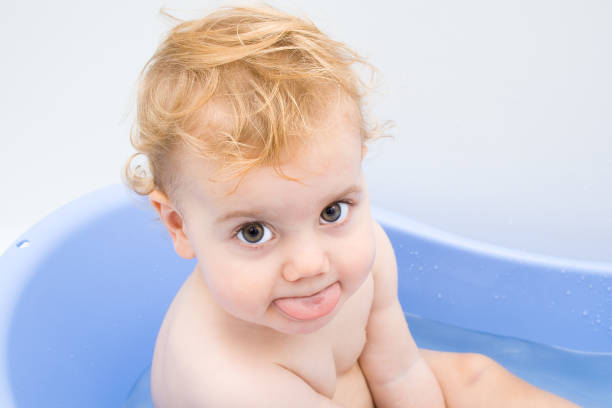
[311,307]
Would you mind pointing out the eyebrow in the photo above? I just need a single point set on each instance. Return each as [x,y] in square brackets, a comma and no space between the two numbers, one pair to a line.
[256,214]
[354,189]
[240,214]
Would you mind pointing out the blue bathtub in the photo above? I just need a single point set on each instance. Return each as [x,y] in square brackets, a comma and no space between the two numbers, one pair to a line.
[83,293]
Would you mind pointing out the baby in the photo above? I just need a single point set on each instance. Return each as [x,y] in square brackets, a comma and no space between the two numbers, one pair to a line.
[253,125]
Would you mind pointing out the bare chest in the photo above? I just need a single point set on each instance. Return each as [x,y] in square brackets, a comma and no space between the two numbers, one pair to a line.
[331,365]
[326,360]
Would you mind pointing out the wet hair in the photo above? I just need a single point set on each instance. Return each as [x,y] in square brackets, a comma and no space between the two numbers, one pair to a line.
[241,87]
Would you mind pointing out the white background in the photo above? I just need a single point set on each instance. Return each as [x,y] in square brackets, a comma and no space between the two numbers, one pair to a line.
[503,110]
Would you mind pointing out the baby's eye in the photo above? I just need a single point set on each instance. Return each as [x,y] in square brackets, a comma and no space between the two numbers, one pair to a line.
[334,213]
[254,233]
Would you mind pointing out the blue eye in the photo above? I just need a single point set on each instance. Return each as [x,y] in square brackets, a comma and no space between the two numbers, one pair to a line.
[334,213]
[254,233]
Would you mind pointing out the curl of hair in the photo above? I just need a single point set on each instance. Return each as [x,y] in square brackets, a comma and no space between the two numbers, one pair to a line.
[241,86]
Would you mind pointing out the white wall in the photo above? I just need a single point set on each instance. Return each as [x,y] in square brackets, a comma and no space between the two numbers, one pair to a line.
[503,110]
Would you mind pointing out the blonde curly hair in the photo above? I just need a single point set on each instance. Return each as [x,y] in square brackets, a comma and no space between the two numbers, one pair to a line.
[241,87]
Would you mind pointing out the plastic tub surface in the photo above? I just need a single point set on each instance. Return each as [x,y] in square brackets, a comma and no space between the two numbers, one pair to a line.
[83,293]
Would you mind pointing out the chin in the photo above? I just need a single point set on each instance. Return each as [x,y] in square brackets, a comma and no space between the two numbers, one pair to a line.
[301,327]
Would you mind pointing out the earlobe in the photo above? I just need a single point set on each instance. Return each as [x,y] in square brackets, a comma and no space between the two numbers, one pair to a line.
[173,221]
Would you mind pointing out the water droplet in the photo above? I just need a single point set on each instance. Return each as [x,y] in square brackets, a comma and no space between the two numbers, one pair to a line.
[609,288]
[590,286]
[496,297]
[598,321]
[581,278]
[568,292]
[585,312]
[439,295]
[420,268]
[436,267]
[24,243]
[71,356]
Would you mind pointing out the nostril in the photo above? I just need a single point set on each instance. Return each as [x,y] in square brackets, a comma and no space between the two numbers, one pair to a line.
[24,243]
[304,261]
[293,272]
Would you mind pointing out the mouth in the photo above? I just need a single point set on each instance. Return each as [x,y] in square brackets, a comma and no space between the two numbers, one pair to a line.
[311,307]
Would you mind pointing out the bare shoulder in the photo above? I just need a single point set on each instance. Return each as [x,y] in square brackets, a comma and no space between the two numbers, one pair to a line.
[384,270]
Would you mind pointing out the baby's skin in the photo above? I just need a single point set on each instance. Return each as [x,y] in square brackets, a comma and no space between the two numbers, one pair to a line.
[293,302]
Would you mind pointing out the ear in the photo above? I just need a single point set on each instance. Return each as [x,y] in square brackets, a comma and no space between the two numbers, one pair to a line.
[173,221]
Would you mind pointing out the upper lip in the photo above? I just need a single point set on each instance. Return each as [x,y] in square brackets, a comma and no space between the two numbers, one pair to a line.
[311,294]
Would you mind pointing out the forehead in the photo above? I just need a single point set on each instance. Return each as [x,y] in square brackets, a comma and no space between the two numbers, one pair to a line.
[330,154]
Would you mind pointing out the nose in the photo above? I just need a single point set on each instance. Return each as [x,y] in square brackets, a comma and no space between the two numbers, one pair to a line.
[305,260]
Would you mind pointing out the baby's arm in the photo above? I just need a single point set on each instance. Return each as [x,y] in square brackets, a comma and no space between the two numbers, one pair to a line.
[399,377]
[397,374]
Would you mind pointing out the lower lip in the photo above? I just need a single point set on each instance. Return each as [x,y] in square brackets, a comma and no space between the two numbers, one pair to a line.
[311,307]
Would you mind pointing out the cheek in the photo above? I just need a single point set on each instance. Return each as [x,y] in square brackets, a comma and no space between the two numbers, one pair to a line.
[358,254]
[239,287]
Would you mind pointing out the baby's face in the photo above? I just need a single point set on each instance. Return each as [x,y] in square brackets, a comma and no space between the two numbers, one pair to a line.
[280,253]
